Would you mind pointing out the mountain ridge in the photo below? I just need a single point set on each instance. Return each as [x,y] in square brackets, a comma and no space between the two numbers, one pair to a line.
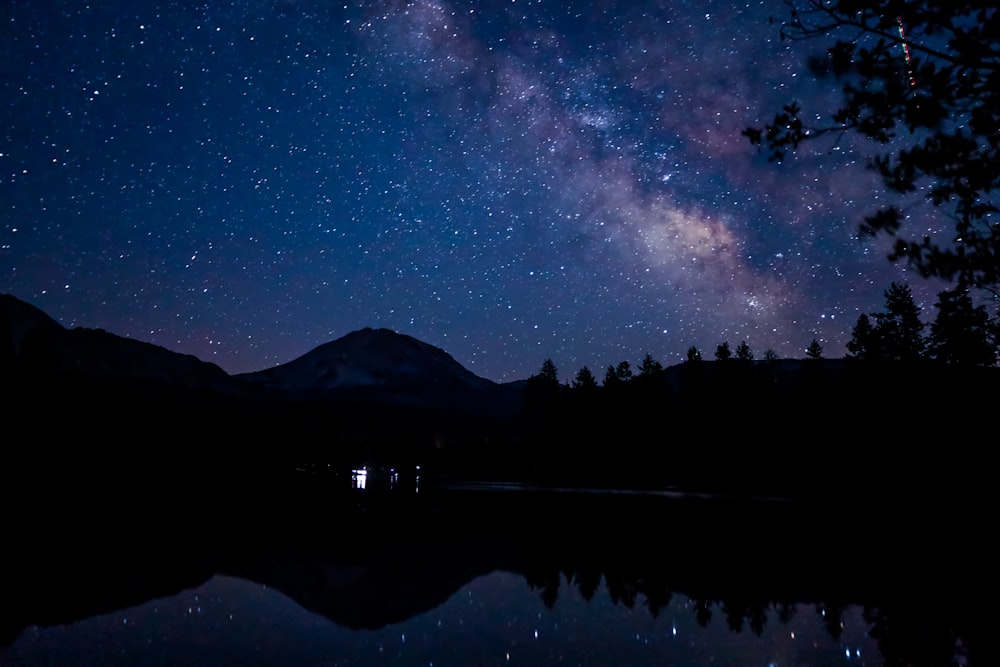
[30,335]
[373,388]
[369,357]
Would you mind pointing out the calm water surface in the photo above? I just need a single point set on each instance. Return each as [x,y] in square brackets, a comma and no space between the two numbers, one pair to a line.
[496,619]
[300,577]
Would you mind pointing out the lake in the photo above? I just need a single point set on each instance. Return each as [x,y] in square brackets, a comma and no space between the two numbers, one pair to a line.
[495,619]
[375,571]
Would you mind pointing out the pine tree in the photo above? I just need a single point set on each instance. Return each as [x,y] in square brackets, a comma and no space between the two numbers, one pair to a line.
[743,352]
[543,390]
[722,351]
[897,334]
[650,366]
[617,375]
[900,331]
[548,373]
[585,380]
[815,350]
[864,342]
[961,333]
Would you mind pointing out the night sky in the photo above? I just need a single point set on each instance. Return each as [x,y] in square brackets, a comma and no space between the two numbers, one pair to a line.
[510,181]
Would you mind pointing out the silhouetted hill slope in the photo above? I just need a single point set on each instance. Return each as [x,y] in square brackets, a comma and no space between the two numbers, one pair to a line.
[372,357]
[382,367]
[371,388]
[30,339]
[370,365]
[19,321]
[755,427]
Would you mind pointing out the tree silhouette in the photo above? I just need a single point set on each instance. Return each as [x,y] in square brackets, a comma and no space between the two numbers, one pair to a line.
[896,333]
[649,366]
[864,341]
[722,351]
[770,355]
[585,380]
[693,354]
[617,375]
[548,373]
[743,352]
[543,388]
[961,333]
[815,350]
[899,329]
[922,81]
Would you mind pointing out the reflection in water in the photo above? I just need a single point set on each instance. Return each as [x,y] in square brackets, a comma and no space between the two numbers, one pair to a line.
[527,576]
[496,619]
[385,479]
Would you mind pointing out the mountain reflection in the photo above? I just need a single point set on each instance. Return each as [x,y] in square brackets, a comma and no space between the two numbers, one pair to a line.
[493,620]
[316,574]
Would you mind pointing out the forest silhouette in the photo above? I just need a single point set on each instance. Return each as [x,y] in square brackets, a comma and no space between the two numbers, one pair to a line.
[788,426]
[906,409]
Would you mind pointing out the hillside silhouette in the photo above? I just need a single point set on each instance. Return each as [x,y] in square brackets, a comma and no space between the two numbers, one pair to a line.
[773,426]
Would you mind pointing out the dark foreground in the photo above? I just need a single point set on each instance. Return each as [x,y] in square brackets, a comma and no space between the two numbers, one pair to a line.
[921,568]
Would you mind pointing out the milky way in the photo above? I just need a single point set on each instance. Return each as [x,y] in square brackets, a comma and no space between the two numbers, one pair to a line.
[509,181]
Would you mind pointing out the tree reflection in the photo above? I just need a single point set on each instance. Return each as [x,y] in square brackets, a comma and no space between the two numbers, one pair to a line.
[587,580]
[546,580]
[658,596]
[906,634]
[832,616]
[735,612]
[703,612]
[621,589]
[786,612]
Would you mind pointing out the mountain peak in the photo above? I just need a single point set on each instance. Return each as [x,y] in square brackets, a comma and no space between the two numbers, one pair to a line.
[372,357]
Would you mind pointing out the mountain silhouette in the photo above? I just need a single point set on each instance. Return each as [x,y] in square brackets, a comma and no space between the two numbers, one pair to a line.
[371,358]
[32,340]
[788,426]
[370,385]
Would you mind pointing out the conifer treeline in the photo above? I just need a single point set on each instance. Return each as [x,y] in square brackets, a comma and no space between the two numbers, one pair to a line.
[779,425]
[962,334]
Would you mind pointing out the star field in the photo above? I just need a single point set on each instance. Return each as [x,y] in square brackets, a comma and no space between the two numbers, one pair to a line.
[510,181]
